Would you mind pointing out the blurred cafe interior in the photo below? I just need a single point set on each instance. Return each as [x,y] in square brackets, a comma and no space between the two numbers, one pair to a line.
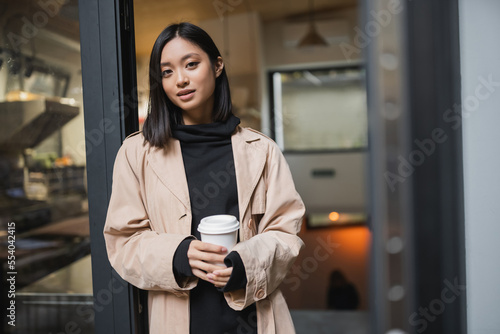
[293,77]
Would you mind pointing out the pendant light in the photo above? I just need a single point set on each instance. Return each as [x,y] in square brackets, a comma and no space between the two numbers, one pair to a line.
[312,37]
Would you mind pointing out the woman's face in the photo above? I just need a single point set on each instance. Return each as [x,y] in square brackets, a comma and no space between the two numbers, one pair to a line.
[188,79]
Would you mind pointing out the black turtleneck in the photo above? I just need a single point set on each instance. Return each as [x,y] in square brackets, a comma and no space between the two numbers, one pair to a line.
[209,165]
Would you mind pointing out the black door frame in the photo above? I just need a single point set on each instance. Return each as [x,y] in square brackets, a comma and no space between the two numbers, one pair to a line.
[415,166]
[438,192]
[110,102]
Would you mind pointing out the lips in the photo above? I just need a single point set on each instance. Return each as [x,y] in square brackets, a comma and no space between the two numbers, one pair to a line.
[186,94]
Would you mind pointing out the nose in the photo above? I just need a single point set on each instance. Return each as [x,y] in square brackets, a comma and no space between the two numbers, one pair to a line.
[182,79]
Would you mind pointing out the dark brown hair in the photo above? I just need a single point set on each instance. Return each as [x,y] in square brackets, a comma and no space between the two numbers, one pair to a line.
[162,113]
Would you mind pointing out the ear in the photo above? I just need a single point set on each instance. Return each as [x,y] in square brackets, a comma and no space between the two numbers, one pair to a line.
[219,66]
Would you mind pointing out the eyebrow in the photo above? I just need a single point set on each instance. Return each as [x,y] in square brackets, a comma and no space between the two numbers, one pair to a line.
[182,59]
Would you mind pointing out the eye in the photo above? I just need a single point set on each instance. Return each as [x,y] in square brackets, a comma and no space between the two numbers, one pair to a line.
[192,64]
[165,73]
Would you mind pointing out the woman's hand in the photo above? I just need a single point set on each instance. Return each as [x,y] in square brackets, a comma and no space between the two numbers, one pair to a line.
[220,277]
[203,258]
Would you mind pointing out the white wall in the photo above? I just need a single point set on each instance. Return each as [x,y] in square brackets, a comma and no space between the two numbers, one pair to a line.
[239,41]
[480,58]
[343,193]
[240,46]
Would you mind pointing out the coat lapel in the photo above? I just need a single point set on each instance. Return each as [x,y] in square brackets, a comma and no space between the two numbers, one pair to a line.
[249,162]
[168,165]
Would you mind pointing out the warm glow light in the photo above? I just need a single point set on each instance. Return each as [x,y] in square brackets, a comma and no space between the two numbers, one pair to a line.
[66,100]
[334,216]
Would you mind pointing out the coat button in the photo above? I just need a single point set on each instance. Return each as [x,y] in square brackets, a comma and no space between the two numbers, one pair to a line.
[260,294]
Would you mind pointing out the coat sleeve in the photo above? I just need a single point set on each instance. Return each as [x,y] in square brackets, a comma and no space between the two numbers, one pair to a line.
[141,256]
[269,254]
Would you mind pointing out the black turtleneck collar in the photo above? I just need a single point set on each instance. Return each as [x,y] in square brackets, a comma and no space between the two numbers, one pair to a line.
[206,132]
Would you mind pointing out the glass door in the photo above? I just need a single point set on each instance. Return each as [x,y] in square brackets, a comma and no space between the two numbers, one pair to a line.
[44,221]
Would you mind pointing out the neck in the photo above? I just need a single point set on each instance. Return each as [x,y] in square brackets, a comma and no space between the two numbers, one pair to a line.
[201,115]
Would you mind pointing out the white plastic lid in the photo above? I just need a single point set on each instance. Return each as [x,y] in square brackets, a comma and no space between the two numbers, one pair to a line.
[218,224]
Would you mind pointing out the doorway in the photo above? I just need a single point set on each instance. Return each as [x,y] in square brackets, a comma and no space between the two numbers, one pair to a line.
[409,262]
[258,41]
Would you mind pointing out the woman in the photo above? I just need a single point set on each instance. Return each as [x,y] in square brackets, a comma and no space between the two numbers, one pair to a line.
[192,160]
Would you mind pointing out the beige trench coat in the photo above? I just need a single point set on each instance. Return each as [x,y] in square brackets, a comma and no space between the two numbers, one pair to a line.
[150,214]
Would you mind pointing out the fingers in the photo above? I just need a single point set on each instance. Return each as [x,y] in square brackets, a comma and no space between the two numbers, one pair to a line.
[200,274]
[206,247]
[220,277]
[202,251]
[223,272]
[204,266]
[219,280]
[206,258]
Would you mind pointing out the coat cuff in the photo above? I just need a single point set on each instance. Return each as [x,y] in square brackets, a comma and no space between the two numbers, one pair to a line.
[238,279]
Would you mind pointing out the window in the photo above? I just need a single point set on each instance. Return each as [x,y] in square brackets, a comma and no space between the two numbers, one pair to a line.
[319,110]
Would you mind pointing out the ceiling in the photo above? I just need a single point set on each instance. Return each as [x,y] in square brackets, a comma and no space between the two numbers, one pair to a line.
[151,16]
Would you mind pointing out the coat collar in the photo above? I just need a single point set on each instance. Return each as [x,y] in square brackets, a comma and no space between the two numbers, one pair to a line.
[249,162]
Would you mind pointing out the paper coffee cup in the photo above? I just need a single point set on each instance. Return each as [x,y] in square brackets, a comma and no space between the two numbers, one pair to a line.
[220,230]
